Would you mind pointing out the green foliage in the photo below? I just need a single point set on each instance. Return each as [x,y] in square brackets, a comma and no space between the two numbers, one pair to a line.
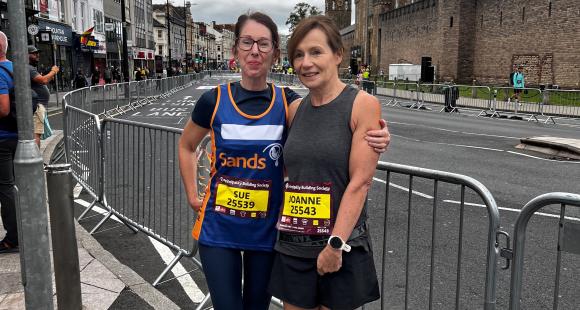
[300,12]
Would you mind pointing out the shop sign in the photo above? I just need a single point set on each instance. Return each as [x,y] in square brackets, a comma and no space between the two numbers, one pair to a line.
[61,34]
[139,55]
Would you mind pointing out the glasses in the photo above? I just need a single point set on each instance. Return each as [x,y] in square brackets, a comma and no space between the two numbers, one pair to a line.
[264,45]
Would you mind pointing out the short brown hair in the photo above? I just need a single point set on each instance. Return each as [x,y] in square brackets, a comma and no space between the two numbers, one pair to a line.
[321,22]
[260,18]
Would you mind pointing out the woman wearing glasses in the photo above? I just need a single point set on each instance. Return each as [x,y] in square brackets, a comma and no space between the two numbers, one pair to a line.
[247,121]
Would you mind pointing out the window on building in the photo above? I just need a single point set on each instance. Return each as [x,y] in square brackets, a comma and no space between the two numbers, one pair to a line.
[524,14]
[451,22]
[160,50]
[549,8]
[83,18]
[159,34]
[74,16]
[500,18]
[219,48]
[98,21]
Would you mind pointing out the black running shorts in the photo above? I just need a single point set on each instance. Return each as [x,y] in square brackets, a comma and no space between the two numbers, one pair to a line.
[295,280]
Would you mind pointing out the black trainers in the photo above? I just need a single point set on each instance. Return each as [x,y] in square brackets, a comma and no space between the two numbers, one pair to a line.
[6,247]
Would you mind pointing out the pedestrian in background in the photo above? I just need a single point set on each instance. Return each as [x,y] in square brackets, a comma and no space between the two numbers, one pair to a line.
[95,76]
[38,83]
[511,78]
[116,75]
[80,80]
[138,76]
[8,142]
[519,84]
[108,75]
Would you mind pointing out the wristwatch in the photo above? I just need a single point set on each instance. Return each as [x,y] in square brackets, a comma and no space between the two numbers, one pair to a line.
[337,243]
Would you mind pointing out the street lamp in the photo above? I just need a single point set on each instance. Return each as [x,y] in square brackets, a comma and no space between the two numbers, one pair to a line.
[185,7]
[169,69]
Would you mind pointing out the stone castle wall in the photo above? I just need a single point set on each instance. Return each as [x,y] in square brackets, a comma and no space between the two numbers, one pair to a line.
[481,40]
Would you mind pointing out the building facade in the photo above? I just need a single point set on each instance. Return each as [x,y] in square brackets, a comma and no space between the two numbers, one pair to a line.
[143,43]
[473,41]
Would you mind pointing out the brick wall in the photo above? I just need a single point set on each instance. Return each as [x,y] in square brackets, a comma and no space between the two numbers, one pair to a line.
[546,42]
[485,39]
[410,32]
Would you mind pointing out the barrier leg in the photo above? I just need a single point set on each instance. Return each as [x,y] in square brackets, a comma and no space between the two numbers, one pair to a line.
[101,223]
[89,208]
[172,264]
[203,302]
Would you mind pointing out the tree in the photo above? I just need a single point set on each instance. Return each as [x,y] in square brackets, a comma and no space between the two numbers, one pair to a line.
[300,12]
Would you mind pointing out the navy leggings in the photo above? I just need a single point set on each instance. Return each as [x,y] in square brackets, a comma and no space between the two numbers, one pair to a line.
[223,272]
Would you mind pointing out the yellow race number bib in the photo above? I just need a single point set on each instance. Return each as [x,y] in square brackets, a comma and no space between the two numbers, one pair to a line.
[307,209]
[242,197]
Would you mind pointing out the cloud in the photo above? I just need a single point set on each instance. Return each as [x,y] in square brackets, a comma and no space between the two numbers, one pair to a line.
[227,11]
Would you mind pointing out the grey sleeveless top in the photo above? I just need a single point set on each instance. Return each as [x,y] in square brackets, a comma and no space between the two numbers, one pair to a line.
[317,150]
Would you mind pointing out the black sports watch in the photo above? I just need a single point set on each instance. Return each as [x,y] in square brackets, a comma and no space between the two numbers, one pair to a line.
[337,243]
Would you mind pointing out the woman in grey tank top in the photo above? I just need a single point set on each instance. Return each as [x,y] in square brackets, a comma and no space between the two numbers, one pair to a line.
[324,257]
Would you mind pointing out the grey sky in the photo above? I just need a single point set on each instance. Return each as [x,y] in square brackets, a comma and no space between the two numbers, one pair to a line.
[227,11]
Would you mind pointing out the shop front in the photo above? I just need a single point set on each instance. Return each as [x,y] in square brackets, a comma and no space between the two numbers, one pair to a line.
[144,58]
[91,56]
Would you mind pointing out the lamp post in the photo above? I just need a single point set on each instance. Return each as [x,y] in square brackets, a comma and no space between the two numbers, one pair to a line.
[125,62]
[168,36]
[187,5]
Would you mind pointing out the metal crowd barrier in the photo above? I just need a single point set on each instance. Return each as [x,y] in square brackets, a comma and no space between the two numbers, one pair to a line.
[84,110]
[430,93]
[422,230]
[568,242]
[534,104]
[92,155]
[82,131]
[284,79]
[142,184]
[557,102]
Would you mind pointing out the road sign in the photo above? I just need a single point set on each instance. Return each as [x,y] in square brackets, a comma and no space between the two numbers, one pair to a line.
[109,27]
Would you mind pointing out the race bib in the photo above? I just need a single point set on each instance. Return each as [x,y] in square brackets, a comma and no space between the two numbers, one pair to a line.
[243,197]
[307,209]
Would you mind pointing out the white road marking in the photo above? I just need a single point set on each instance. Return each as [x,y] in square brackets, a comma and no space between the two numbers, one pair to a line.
[403,188]
[489,149]
[184,278]
[471,203]
[515,210]
[456,131]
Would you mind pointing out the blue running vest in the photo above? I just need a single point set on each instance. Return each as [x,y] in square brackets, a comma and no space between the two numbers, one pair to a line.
[243,199]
